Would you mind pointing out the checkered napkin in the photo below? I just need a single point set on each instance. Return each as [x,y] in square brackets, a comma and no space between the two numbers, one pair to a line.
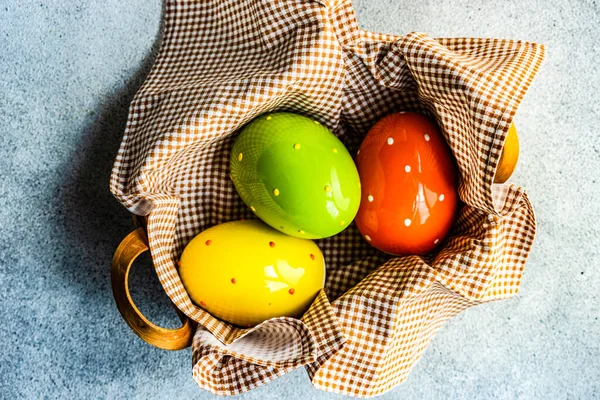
[223,63]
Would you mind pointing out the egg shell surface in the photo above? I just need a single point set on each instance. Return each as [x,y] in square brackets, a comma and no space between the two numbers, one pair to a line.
[409,185]
[244,272]
[295,175]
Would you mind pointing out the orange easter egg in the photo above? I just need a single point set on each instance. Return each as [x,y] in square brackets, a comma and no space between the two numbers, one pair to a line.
[409,185]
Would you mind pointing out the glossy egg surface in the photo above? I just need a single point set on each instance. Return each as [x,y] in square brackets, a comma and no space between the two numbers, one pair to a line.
[295,175]
[244,272]
[409,185]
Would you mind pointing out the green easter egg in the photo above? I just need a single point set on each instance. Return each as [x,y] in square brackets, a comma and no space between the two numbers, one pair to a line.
[295,175]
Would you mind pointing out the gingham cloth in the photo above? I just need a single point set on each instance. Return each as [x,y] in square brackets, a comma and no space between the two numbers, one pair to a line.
[221,64]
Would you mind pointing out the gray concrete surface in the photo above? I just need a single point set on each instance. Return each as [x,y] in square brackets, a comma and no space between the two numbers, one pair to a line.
[68,69]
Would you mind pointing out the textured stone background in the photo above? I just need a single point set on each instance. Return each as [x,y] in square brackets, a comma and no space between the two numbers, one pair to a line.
[68,70]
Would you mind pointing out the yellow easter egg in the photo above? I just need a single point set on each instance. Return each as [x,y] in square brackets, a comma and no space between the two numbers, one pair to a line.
[508,157]
[245,272]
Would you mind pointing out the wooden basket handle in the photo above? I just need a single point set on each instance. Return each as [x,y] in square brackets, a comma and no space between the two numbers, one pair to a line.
[130,248]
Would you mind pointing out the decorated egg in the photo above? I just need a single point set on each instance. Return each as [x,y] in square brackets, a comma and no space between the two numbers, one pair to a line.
[244,272]
[409,185]
[509,156]
[295,175]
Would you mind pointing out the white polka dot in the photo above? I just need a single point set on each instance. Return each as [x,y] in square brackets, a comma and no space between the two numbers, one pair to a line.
[390,140]
[367,238]
[407,168]
[407,222]
[370,198]
[358,152]
[427,137]
[442,197]
[436,241]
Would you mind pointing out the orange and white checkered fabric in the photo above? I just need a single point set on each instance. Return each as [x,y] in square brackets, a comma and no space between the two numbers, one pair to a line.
[221,64]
